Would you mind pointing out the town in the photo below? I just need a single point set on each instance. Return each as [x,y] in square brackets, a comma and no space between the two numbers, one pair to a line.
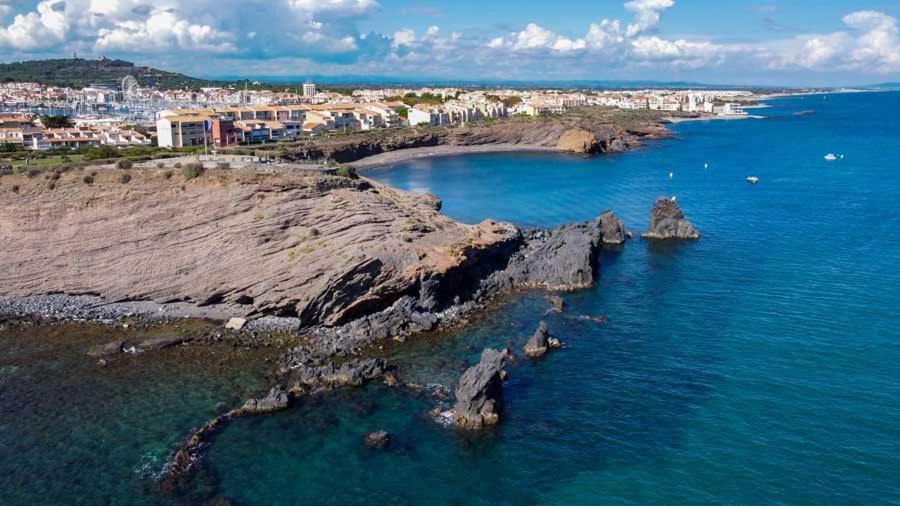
[125,114]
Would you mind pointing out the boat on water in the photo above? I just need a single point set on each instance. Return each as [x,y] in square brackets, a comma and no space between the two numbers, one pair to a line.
[830,157]
[752,179]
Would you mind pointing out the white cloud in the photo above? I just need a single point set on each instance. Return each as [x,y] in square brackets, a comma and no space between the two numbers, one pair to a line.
[326,32]
[405,37]
[870,43]
[647,14]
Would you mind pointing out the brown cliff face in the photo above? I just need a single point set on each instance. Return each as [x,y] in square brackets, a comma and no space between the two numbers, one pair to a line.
[587,130]
[324,248]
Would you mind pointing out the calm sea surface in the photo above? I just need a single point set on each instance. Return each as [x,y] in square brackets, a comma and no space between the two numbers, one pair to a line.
[758,365]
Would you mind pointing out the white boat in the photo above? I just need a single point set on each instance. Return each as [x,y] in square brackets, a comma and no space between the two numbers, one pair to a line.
[752,179]
[671,175]
[705,165]
[830,157]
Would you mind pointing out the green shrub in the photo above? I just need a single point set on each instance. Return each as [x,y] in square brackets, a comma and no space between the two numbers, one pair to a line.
[32,173]
[125,178]
[160,165]
[15,188]
[192,170]
[124,164]
[223,166]
[177,165]
[167,174]
[89,179]
[55,175]
[51,185]
[346,171]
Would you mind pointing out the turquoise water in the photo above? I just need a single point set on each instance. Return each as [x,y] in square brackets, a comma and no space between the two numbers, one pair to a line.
[758,365]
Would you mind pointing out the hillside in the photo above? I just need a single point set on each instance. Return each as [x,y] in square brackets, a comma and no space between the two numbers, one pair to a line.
[78,73]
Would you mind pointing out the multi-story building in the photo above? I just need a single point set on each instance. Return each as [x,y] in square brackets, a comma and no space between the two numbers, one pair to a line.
[309,89]
[181,131]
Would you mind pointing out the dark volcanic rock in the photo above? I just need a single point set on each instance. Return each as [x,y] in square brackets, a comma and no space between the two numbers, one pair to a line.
[378,439]
[563,258]
[479,396]
[667,222]
[312,370]
[276,400]
[109,348]
[612,228]
[538,343]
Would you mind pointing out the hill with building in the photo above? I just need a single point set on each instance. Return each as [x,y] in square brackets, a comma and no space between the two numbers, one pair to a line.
[80,72]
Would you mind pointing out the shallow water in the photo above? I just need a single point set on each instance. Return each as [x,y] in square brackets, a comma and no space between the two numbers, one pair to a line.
[759,364]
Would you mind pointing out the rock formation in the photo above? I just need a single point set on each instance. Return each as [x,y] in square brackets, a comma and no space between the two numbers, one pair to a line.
[325,249]
[276,400]
[538,343]
[612,228]
[479,396]
[563,258]
[667,222]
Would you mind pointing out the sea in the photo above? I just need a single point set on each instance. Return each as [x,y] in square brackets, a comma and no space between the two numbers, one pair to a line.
[759,364]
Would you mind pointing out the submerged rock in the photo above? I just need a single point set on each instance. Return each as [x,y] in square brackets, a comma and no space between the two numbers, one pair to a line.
[668,222]
[110,348]
[158,343]
[377,440]
[479,396]
[557,304]
[612,228]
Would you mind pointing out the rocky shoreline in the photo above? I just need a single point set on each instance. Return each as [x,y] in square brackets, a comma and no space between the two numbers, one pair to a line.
[343,261]
[586,130]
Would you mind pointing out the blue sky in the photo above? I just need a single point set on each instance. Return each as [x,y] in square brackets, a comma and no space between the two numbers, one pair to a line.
[801,42]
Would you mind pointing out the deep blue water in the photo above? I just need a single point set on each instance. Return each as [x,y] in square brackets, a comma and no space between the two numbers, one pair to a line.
[758,365]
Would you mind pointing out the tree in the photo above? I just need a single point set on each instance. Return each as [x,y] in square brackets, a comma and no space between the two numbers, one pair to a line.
[61,121]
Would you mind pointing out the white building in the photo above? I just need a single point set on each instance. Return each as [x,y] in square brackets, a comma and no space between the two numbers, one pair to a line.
[732,109]
[309,89]
[427,116]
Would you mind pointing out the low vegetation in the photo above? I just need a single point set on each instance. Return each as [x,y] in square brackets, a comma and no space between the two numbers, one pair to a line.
[193,170]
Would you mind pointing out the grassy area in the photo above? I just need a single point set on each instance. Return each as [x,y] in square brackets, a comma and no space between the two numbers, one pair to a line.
[50,160]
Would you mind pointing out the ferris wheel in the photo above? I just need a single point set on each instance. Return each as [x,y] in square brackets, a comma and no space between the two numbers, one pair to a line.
[130,87]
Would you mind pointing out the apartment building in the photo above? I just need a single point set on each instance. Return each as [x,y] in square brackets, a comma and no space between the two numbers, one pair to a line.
[181,131]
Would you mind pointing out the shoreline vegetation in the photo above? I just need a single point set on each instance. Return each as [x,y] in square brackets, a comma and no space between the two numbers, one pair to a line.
[342,263]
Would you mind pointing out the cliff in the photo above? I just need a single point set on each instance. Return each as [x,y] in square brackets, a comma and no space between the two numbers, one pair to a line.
[323,248]
[589,130]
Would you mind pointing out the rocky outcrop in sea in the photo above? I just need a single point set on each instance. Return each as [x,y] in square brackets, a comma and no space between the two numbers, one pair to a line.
[668,222]
[611,228]
[540,342]
[479,396]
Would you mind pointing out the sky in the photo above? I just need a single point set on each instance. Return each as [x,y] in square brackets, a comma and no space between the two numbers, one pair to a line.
[789,43]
